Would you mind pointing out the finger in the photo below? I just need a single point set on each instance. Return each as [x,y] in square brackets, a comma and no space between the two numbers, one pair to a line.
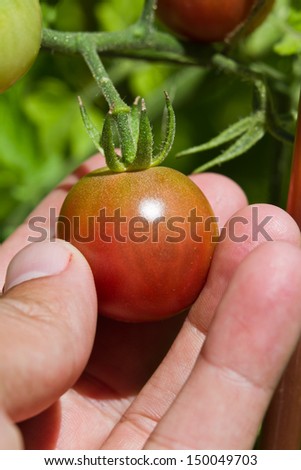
[123,358]
[151,403]
[137,341]
[224,195]
[47,326]
[253,334]
[46,213]
[161,390]
[245,230]
[10,436]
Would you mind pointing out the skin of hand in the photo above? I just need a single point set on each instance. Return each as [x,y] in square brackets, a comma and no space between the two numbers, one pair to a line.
[201,380]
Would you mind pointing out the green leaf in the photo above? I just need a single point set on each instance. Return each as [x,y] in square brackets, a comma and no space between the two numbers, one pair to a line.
[242,145]
[51,107]
[290,44]
[116,15]
[229,134]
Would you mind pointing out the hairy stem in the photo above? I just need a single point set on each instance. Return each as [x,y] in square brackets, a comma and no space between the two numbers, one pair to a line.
[101,77]
[135,41]
[148,13]
[118,108]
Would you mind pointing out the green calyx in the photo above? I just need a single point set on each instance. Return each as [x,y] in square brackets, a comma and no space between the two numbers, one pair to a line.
[132,128]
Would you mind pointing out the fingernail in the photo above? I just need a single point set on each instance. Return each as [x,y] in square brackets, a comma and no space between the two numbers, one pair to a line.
[37,260]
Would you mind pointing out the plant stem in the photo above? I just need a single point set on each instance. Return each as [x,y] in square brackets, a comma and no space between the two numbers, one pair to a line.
[101,77]
[135,41]
[61,41]
[118,108]
[229,65]
[282,425]
[148,13]
[247,25]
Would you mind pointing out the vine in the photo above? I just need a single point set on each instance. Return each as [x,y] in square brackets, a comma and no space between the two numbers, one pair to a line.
[143,40]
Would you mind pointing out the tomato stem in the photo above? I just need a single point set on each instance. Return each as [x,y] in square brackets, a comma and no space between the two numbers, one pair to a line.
[282,425]
[258,10]
[148,14]
[119,111]
[101,77]
[135,41]
[132,125]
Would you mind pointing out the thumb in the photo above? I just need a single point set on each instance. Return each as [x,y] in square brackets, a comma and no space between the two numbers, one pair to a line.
[47,324]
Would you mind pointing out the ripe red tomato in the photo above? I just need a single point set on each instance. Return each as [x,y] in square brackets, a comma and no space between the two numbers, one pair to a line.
[208,20]
[148,236]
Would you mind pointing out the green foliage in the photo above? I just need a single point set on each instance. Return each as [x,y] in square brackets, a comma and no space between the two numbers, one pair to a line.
[290,43]
[41,140]
[114,15]
[42,137]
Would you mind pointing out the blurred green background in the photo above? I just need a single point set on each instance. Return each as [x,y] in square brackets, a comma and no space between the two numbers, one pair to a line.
[42,137]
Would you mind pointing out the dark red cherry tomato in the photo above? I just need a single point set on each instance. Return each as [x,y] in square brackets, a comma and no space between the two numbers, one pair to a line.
[148,236]
[209,20]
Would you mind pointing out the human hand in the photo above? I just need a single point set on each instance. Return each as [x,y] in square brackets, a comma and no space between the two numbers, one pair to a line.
[198,381]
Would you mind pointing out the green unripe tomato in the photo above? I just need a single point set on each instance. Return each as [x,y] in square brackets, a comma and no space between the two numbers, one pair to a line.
[20,33]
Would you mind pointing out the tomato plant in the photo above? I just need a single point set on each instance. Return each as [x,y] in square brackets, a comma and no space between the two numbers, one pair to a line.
[148,236]
[20,28]
[108,215]
[209,20]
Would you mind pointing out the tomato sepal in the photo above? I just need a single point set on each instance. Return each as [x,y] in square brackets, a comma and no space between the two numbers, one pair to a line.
[136,147]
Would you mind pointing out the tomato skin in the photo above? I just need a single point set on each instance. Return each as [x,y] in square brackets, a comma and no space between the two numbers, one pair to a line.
[141,280]
[21,33]
[208,20]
